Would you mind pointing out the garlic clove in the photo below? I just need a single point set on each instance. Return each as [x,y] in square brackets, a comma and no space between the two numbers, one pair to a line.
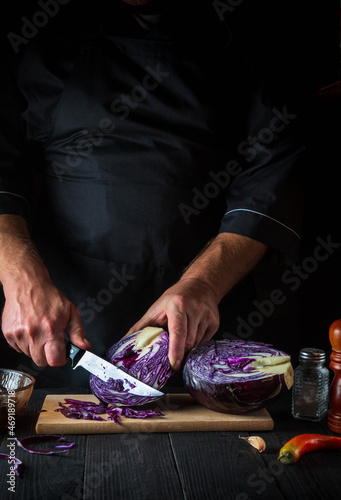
[255,441]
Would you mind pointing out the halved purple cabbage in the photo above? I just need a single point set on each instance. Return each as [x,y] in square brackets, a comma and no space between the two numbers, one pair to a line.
[142,354]
[237,376]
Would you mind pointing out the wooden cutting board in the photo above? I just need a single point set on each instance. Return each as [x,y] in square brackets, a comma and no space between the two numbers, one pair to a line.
[181,414]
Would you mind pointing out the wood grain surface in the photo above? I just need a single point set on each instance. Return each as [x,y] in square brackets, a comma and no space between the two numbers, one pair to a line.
[180,414]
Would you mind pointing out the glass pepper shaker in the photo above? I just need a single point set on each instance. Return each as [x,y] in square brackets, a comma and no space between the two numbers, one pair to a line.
[311,385]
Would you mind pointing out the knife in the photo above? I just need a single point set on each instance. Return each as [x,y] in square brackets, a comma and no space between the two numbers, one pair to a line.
[105,371]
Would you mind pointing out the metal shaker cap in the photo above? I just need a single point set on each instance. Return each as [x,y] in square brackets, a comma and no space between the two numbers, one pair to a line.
[312,354]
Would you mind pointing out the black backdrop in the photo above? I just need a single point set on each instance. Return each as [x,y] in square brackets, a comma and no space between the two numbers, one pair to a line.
[312,290]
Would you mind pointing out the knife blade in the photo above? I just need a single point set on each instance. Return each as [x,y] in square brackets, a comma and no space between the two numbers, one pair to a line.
[105,371]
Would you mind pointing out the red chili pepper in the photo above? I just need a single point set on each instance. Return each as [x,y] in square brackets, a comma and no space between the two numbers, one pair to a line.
[303,443]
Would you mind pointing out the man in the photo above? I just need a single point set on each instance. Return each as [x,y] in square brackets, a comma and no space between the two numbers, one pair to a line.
[168,165]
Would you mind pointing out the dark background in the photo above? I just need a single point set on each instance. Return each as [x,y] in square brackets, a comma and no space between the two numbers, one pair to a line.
[304,318]
[306,314]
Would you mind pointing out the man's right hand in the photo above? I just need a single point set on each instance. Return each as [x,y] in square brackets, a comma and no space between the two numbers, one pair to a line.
[36,314]
[34,319]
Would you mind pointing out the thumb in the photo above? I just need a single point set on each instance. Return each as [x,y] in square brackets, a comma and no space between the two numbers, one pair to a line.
[75,330]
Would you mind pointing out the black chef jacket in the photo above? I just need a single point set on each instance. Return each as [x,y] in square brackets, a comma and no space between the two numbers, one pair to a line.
[147,143]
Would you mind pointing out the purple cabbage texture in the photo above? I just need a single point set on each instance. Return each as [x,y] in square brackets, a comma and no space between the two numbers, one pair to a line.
[85,410]
[142,354]
[237,376]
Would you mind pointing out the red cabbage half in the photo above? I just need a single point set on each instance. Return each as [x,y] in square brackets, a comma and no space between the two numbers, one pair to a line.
[144,355]
[236,376]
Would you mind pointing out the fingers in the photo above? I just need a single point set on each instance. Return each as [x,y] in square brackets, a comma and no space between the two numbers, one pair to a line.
[75,330]
[45,343]
[33,343]
[15,346]
[51,353]
[178,337]
[23,340]
[55,351]
[188,318]
[189,312]
[186,331]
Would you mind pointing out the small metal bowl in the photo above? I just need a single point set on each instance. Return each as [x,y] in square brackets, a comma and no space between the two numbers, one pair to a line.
[15,392]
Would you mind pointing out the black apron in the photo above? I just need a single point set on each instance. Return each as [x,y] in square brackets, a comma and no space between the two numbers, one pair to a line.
[137,132]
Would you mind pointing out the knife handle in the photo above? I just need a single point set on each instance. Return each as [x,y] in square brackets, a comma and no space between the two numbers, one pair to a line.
[74,353]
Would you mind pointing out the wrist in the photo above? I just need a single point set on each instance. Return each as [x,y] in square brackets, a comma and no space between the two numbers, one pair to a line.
[225,261]
[22,271]
[204,284]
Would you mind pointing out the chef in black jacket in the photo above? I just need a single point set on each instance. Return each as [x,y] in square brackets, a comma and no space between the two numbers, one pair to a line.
[165,146]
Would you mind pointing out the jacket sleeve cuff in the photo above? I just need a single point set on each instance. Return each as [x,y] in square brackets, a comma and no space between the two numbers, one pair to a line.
[15,204]
[282,240]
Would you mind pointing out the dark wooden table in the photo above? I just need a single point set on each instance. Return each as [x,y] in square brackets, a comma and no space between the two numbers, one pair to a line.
[173,466]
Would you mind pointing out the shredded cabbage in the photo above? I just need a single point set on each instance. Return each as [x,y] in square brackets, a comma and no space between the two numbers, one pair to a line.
[86,410]
[26,442]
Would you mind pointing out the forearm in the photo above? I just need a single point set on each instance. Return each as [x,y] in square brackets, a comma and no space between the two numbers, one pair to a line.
[18,256]
[36,314]
[225,261]
[189,309]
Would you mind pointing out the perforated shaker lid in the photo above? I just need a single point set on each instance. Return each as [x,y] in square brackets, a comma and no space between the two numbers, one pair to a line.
[312,354]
